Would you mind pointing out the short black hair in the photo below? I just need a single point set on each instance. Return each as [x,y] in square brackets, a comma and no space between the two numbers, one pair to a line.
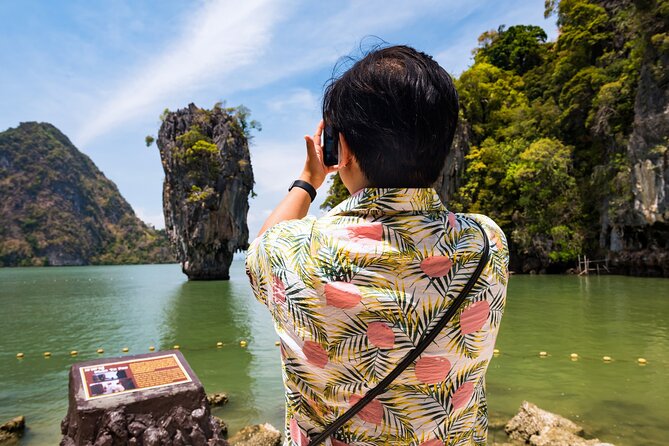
[398,110]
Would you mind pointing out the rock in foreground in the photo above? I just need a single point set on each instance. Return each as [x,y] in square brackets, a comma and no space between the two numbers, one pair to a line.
[11,431]
[537,427]
[257,435]
[208,179]
[218,399]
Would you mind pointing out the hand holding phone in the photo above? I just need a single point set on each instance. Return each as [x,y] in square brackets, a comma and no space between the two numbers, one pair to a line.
[330,146]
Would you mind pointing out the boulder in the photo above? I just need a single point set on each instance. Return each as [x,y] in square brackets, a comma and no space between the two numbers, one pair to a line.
[12,430]
[218,399]
[537,427]
[257,435]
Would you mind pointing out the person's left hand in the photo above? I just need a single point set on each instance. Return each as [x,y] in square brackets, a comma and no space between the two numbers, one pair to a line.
[315,169]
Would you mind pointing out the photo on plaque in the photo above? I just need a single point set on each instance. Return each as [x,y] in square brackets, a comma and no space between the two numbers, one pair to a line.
[131,375]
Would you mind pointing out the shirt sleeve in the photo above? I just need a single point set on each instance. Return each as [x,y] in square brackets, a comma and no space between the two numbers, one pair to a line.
[273,253]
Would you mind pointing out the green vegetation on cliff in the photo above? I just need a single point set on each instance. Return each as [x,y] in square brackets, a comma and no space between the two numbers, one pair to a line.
[57,208]
[549,126]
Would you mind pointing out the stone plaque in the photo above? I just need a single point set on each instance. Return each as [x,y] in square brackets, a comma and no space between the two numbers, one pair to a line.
[132,375]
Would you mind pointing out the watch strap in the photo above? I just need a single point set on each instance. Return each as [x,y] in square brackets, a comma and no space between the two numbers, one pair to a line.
[306,186]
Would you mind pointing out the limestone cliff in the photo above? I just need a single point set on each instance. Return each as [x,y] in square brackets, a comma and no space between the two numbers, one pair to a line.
[57,208]
[639,238]
[450,178]
[208,179]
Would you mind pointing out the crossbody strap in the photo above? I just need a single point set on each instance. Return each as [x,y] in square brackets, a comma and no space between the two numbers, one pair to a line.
[413,354]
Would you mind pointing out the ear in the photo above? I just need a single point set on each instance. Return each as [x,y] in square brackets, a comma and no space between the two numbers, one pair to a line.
[345,154]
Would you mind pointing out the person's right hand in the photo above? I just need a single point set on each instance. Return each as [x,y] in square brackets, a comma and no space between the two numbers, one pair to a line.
[315,169]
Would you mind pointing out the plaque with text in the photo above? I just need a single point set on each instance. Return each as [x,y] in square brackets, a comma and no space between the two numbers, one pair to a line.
[111,378]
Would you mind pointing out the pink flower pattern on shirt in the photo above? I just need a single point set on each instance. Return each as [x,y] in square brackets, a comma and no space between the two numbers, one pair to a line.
[351,293]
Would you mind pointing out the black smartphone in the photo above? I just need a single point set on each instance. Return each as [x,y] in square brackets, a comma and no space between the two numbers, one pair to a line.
[330,146]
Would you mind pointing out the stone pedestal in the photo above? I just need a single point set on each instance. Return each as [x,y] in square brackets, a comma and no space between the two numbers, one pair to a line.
[151,399]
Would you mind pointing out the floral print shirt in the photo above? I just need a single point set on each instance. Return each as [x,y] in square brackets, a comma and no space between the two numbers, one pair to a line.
[353,292]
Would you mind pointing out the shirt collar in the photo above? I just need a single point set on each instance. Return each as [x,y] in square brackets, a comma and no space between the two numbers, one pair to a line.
[390,200]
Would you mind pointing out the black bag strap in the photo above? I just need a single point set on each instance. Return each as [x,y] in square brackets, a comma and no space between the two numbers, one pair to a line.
[413,354]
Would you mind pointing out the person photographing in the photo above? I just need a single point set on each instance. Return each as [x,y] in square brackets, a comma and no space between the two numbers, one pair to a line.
[387,307]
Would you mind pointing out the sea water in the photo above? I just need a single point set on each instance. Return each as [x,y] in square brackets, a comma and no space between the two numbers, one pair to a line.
[112,307]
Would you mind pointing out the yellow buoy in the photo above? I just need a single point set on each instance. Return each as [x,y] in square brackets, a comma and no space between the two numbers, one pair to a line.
[219,344]
[607,358]
[101,351]
[642,361]
[495,352]
[176,347]
[47,354]
[574,356]
[543,354]
[125,349]
[277,343]
[19,355]
[151,348]
[242,343]
[74,353]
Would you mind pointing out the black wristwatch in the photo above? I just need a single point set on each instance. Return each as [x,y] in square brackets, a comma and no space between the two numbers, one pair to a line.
[306,186]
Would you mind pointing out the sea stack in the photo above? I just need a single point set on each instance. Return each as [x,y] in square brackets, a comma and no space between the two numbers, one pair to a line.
[208,178]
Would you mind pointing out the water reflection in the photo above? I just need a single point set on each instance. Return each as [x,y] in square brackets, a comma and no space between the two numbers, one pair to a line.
[201,314]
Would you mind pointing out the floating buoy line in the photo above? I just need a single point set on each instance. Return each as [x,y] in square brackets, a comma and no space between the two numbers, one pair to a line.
[243,343]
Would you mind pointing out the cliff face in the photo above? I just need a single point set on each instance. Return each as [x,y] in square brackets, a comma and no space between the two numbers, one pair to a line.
[57,208]
[449,180]
[639,238]
[208,179]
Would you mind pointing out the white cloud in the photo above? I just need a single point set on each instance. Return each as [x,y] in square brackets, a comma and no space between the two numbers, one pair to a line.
[458,56]
[218,39]
[299,99]
[233,45]
[277,164]
[157,220]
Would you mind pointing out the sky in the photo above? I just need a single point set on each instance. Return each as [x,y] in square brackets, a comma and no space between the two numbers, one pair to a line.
[103,71]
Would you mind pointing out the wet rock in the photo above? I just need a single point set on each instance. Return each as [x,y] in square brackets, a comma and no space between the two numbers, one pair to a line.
[208,178]
[218,399]
[104,439]
[537,427]
[219,426]
[116,423]
[257,435]
[12,430]
[136,428]
[197,437]
[151,437]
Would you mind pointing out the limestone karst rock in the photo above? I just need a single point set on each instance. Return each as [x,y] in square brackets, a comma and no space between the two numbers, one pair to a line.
[57,208]
[639,238]
[450,177]
[208,179]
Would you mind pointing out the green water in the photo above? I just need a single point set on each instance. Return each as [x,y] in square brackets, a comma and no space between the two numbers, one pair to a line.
[86,308]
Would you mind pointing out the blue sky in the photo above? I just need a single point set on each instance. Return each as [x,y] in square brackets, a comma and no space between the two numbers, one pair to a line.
[103,71]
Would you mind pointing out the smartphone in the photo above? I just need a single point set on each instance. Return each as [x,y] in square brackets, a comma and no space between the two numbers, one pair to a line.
[330,146]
